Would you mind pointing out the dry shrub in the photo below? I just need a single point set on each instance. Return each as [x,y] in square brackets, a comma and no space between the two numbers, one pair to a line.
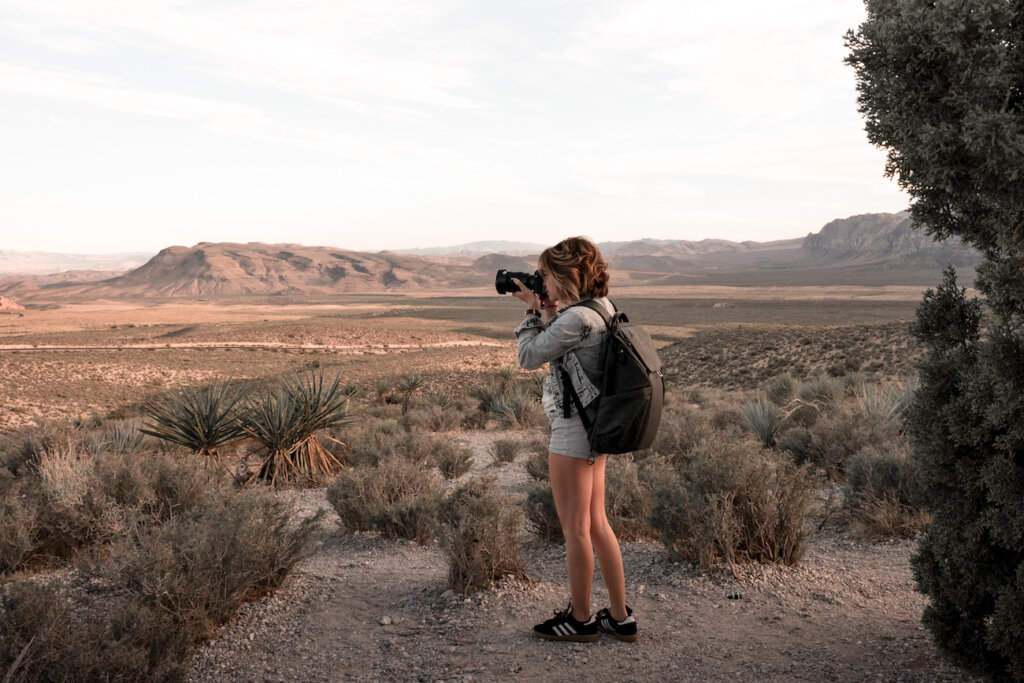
[880,492]
[541,515]
[373,446]
[480,536]
[627,503]
[41,527]
[682,428]
[71,500]
[26,446]
[781,389]
[176,486]
[200,567]
[731,501]
[537,461]
[505,450]
[725,413]
[396,498]
[171,586]
[475,419]
[627,499]
[835,436]
[822,389]
[433,418]
[452,459]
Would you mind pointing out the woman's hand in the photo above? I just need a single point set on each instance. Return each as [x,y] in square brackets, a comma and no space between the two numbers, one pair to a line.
[527,296]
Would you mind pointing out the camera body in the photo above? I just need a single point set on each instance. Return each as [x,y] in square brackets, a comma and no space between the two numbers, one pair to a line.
[504,284]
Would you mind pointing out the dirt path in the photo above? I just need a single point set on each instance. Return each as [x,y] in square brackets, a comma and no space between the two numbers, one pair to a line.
[366,608]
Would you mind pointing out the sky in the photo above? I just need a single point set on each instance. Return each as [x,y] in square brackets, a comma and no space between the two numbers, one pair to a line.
[133,125]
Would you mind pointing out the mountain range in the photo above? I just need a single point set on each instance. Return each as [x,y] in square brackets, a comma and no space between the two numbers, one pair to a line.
[865,249]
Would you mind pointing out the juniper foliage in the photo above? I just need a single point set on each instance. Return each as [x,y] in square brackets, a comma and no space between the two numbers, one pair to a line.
[942,90]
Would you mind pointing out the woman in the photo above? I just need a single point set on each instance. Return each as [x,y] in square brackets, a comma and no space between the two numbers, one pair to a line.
[571,339]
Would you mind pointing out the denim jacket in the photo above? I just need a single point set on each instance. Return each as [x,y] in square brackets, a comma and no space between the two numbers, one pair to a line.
[571,340]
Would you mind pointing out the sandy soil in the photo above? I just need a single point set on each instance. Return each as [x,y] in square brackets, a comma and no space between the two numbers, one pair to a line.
[367,608]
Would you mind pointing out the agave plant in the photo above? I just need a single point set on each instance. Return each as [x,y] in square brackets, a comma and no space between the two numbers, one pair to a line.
[285,424]
[203,419]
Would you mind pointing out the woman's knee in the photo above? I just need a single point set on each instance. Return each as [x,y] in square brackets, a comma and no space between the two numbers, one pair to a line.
[576,529]
[600,529]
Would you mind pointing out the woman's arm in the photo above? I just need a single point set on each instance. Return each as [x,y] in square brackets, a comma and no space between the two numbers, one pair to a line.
[539,345]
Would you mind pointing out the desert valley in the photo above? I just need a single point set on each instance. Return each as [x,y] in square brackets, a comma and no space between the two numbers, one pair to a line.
[816,328]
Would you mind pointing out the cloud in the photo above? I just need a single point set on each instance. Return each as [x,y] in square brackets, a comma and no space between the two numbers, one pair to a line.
[323,50]
[106,93]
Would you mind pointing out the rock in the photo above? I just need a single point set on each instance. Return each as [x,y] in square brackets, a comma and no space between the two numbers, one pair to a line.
[385,620]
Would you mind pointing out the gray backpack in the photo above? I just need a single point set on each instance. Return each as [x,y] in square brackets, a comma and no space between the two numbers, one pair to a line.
[625,415]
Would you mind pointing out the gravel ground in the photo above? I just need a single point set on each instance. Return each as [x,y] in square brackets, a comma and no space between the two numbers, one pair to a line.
[367,608]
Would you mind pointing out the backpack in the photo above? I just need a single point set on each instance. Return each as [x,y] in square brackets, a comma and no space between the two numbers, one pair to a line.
[625,415]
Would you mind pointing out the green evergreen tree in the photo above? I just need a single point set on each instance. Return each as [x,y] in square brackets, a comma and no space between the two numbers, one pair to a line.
[942,89]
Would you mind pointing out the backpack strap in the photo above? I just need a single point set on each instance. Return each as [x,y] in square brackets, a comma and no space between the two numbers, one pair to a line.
[570,391]
[567,388]
[594,306]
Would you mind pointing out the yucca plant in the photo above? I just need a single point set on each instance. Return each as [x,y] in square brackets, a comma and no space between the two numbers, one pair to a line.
[903,392]
[762,418]
[122,437]
[441,399]
[489,396]
[202,419]
[506,376]
[382,387]
[407,386]
[519,410]
[890,401]
[535,384]
[285,424]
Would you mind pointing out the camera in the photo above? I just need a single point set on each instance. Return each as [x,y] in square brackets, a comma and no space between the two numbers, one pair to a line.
[503,282]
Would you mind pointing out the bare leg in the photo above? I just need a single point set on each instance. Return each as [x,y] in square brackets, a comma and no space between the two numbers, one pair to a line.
[606,544]
[572,487]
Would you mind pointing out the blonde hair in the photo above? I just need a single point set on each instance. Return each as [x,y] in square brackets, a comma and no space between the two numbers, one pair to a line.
[577,268]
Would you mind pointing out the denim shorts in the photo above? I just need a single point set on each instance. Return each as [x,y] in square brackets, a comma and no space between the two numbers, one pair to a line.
[569,437]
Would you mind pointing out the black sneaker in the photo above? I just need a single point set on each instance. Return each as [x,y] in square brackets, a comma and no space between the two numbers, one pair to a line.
[623,630]
[563,627]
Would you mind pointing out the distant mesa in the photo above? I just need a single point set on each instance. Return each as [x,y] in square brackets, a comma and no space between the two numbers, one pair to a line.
[868,249]
[886,238]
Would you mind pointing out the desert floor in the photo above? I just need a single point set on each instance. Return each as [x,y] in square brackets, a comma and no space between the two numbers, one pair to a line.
[366,608]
